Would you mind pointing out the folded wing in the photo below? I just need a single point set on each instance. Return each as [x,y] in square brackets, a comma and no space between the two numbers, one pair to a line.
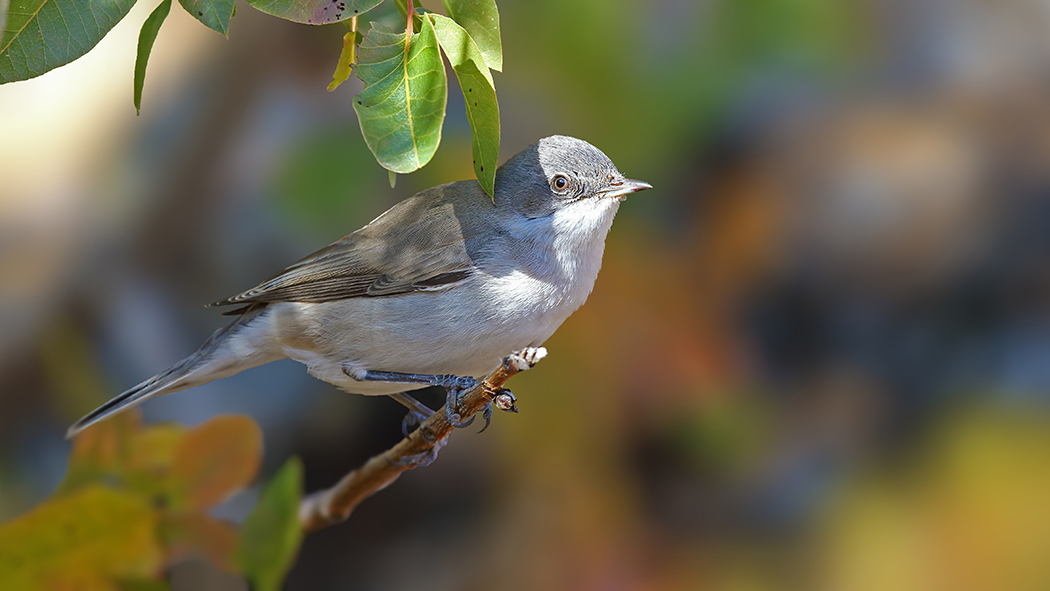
[420,244]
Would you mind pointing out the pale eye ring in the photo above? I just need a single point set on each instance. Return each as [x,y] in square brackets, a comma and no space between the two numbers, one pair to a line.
[560,183]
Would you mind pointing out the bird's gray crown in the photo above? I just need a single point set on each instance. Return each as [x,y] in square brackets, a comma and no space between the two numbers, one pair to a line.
[528,181]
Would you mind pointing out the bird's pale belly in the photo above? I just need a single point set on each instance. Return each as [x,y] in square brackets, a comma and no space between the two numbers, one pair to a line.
[420,333]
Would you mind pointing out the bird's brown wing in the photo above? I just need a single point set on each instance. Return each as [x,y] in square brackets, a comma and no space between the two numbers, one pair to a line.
[428,249]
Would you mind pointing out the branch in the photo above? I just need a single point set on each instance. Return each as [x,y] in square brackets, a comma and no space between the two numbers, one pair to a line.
[334,505]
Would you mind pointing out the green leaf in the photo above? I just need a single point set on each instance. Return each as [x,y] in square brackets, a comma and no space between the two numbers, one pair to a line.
[402,107]
[3,18]
[479,95]
[481,21]
[315,12]
[41,35]
[147,36]
[215,14]
[346,58]
[270,536]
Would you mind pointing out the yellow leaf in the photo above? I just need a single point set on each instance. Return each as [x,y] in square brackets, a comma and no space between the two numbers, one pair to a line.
[346,58]
[149,459]
[217,459]
[154,448]
[101,449]
[87,539]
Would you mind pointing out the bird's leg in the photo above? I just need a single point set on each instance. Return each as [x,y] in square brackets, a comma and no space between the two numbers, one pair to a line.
[417,411]
[453,385]
[445,381]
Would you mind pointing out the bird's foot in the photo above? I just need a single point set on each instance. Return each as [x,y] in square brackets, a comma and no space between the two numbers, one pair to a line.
[424,459]
[417,411]
[412,419]
[454,386]
[452,405]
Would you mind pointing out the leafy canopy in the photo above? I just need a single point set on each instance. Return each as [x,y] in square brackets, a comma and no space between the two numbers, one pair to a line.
[402,107]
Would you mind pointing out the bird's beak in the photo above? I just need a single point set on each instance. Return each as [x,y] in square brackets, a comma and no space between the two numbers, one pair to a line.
[620,189]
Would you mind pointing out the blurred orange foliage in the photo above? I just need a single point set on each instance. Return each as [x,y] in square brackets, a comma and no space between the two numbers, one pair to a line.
[135,500]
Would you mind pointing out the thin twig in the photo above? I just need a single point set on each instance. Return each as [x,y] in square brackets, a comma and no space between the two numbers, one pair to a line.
[334,505]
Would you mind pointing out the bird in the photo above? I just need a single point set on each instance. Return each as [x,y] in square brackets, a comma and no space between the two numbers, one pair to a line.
[432,292]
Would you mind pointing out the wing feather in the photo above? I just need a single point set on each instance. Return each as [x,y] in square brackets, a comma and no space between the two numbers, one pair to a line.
[423,243]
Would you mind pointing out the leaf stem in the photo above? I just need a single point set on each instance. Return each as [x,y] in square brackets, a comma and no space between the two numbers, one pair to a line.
[408,26]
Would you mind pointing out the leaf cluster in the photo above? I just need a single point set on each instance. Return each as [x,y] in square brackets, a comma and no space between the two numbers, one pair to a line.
[136,500]
[402,107]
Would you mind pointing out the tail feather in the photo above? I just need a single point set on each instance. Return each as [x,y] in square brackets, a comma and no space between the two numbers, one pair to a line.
[158,384]
[210,362]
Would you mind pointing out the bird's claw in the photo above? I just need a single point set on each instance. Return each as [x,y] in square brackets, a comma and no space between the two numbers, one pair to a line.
[411,419]
[452,408]
[454,387]
[424,459]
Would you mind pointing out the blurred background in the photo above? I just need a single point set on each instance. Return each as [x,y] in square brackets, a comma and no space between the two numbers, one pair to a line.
[817,356]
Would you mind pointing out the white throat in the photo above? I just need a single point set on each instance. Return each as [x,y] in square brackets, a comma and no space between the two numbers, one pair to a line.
[579,235]
[566,249]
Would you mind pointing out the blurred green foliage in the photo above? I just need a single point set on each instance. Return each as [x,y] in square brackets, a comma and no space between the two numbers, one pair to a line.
[320,170]
[271,535]
[969,512]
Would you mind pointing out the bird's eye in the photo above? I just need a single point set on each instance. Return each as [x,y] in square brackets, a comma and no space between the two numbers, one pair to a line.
[560,183]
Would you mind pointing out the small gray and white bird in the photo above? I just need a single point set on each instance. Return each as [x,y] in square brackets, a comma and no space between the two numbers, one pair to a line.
[445,282]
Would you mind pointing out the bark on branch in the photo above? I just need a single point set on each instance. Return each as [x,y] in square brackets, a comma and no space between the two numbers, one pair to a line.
[334,505]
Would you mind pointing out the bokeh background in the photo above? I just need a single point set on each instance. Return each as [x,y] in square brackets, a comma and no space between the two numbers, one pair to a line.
[817,356]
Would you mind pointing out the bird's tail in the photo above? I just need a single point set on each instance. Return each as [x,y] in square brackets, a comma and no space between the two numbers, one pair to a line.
[213,360]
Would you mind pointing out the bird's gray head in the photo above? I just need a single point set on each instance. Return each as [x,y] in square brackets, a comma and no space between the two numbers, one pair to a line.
[557,172]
